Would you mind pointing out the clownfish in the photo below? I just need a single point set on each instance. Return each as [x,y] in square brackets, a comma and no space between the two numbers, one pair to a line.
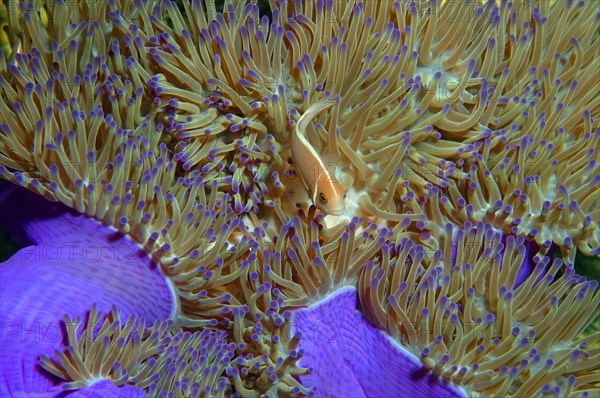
[323,187]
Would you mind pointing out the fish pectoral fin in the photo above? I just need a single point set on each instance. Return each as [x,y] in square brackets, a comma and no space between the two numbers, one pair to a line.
[295,188]
[297,194]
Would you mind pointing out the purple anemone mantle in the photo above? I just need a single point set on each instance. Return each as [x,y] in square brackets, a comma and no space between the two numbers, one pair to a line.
[67,263]
[352,358]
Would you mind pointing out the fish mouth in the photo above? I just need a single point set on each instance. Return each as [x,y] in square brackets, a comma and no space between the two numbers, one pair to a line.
[337,211]
[331,211]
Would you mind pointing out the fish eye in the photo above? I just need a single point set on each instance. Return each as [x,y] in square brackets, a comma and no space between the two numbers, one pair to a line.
[322,198]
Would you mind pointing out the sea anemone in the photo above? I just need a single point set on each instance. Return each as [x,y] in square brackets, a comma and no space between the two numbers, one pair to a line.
[466,160]
[66,264]
[187,364]
[473,323]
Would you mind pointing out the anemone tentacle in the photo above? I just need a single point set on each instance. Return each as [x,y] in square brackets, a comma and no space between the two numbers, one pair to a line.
[465,138]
